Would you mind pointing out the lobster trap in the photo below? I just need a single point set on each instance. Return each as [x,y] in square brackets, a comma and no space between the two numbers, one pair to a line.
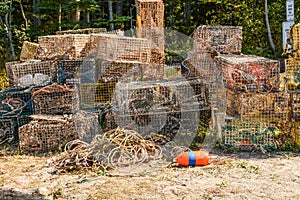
[292,74]
[8,130]
[28,51]
[295,31]
[33,73]
[200,65]
[66,47]
[176,126]
[248,135]
[248,73]
[122,49]
[150,13]
[46,133]
[295,105]
[82,31]
[257,106]
[72,72]
[152,96]
[55,99]
[94,96]
[87,125]
[16,102]
[222,39]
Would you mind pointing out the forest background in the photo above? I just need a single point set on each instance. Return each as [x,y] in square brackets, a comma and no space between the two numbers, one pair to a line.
[25,20]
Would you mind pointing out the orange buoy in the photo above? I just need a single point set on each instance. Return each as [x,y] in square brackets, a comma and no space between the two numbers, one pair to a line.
[193,158]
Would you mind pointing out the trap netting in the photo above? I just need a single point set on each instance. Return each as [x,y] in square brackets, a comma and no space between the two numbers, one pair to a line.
[222,39]
[295,105]
[32,73]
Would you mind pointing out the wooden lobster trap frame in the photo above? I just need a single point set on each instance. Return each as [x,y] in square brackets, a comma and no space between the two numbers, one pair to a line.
[82,31]
[33,73]
[223,39]
[248,73]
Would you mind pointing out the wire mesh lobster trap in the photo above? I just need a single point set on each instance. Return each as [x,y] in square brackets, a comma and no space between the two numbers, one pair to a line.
[123,49]
[55,99]
[295,31]
[249,73]
[16,102]
[265,107]
[73,72]
[248,135]
[292,74]
[171,94]
[33,73]
[295,105]
[66,47]
[223,39]
[151,13]
[28,51]
[8,130]
[94,96]
[177,126]
[82,31]
[46,133]
[87,125]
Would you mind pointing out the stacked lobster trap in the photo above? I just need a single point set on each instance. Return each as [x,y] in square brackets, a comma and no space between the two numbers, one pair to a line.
[169,107]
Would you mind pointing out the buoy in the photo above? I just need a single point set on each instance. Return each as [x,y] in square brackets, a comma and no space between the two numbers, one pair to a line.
[194,158]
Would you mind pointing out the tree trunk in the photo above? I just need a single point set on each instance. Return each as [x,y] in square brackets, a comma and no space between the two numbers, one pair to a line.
[110,10]
[9,33]
[77,13]
[119,8]
[171,13]
[59,17]
[23,15]
[268,26]
[187,13]
[36,13]
[88,20]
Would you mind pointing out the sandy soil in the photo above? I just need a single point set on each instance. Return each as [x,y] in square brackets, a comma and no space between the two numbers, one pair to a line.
[234,176]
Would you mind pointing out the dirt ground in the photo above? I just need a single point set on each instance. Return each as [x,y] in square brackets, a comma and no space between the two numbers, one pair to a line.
[239,175]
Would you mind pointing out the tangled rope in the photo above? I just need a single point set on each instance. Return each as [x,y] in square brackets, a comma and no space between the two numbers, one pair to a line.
[115,148]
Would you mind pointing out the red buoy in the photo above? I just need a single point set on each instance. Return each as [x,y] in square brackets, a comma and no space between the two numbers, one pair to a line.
[194,158]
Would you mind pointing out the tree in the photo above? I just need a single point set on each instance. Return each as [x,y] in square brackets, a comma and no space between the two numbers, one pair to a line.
[268,26]
[6,7]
